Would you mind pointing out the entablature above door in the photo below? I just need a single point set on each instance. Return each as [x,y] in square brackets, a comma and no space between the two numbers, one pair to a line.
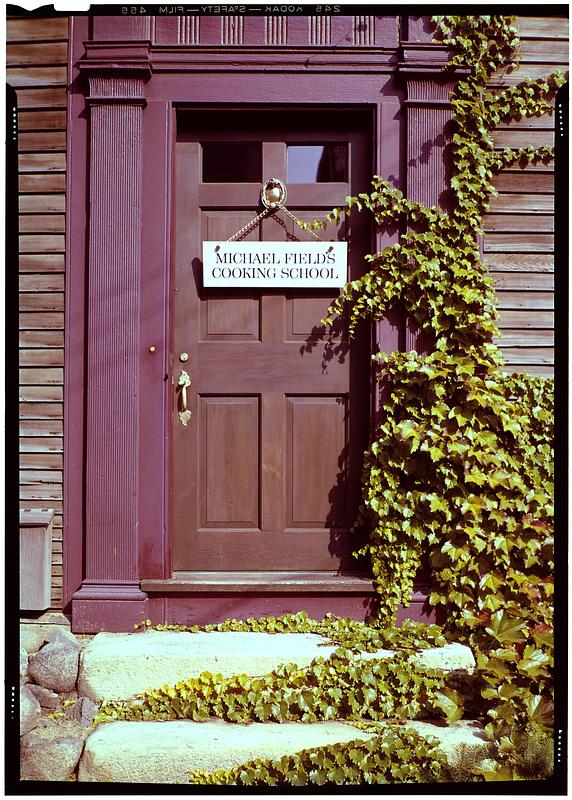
[251,29]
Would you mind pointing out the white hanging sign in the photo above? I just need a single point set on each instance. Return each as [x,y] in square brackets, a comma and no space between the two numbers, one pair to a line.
[275,264]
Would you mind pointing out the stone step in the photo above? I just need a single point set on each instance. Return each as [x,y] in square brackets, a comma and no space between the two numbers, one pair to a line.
[165,752]
[117,666]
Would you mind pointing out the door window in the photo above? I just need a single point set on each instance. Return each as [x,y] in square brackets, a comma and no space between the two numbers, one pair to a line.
[317,163]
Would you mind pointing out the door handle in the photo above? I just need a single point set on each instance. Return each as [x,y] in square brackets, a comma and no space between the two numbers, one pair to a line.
[184,413]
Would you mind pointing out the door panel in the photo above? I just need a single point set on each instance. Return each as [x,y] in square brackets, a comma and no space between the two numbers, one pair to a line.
[316,425]
[267,472]
[228,317]
[229,462]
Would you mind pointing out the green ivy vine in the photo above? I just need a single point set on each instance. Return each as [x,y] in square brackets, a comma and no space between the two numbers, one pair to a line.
[397,756]
[342,686]
[460,472]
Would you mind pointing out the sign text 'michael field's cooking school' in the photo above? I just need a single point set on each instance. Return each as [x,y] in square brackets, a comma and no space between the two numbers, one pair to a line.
[275,264]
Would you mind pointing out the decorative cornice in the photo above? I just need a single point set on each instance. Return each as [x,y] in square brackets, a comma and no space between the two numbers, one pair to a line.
[423,71]
[117,60]
[118,50]
[431,52]
[120,87]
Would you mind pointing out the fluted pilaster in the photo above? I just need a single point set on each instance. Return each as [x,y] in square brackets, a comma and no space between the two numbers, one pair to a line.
[112,437]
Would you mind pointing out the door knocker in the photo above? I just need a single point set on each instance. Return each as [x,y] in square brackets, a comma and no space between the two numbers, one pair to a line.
[273,193]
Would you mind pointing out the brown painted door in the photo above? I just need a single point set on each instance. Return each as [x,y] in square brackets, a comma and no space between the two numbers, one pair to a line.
[267,472]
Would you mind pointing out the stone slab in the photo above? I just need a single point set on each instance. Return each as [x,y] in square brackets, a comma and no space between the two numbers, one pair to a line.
[450,736]
[118,666]
[448,658]
[115,666]
[165,752]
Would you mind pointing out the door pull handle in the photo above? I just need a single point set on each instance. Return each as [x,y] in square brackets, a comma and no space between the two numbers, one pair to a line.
[184,413]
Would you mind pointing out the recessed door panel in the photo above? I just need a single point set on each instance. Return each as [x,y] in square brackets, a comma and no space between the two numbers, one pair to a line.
[316,436]
[229,452]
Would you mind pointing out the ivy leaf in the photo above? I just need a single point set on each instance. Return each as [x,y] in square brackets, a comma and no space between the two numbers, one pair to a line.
[540,710]
[534,662]
[506,629]
[451,704]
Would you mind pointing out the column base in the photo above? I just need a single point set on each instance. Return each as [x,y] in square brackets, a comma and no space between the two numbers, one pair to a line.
[109,607]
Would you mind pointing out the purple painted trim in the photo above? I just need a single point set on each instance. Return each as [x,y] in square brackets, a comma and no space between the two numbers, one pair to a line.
[113,616]
[156,391]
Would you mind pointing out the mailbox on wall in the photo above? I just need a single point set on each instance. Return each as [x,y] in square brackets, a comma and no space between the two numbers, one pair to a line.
[35,558]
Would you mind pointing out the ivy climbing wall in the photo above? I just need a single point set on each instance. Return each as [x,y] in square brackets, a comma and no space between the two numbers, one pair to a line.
[519,241]
[37,56]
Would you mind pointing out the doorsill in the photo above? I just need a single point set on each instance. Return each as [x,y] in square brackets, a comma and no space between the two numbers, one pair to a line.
[261,582]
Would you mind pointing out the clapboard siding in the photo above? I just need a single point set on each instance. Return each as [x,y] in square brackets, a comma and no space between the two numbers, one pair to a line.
[36,357]
[41,410]
[42,301]
[39,321]
[37,54]
[524,281]
[519,242]
[34,282]
[36,76]
[38,120]
[41,339]
[543,28]
[520,262]
[42,244]
[42,162]
[54,262]
[43,223]
[48,182]
[523,203]
[42,461]
[44,394]
[44,29]
[42,203]
[41,141]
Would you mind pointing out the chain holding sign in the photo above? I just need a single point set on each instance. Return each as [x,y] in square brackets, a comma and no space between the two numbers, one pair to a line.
[274,264]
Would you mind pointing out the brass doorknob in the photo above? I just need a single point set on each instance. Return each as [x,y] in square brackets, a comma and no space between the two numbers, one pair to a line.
[184,357]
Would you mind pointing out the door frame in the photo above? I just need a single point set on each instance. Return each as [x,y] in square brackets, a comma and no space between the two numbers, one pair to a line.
[119,67]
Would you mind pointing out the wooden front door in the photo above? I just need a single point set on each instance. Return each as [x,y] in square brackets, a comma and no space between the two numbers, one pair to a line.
[266,476]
